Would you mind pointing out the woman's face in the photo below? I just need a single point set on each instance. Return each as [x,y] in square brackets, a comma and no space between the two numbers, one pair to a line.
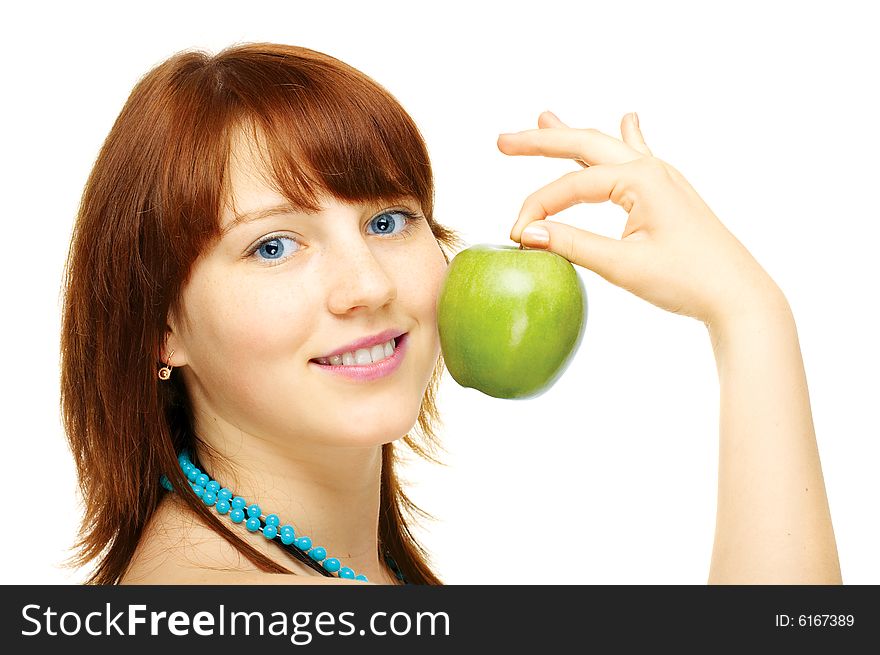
[277,292]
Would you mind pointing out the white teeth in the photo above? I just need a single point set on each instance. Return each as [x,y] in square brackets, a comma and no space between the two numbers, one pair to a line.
[377,352]
[361,356]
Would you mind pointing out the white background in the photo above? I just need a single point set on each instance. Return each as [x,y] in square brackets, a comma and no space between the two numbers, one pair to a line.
[769,109]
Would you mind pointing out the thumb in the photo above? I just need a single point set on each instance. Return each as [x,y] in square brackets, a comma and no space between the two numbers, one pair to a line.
[600,254]
[632,134]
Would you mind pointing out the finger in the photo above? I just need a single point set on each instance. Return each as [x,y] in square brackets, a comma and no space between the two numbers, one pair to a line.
[593,184]
[632,134]
[589,145]
[600,254]
[549,119]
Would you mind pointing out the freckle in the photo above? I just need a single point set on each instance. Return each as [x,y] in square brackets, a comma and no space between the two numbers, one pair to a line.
[806,488]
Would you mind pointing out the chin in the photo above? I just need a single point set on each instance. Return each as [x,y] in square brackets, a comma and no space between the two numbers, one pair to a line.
[371,429]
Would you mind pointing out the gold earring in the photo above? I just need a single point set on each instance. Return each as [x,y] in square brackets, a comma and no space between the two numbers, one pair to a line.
[165,371]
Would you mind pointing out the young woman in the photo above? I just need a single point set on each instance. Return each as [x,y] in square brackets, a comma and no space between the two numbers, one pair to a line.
[249,329]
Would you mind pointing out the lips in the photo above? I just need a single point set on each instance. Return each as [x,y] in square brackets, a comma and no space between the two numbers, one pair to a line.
[374,372]
[364,342]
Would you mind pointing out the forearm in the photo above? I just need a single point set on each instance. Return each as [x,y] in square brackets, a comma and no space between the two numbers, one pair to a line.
[773,523]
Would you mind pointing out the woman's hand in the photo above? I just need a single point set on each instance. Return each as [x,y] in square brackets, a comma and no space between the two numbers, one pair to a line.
[674,252]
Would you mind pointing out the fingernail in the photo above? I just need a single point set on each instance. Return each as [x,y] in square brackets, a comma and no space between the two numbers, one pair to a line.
[535,235]
[636,119]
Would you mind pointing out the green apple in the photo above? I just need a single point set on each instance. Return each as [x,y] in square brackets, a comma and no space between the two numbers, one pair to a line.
[510,319]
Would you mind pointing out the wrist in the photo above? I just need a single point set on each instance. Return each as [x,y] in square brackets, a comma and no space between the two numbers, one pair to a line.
[759,308]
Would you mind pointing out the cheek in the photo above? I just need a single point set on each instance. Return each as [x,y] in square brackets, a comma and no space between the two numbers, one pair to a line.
[242,327]
[422,289]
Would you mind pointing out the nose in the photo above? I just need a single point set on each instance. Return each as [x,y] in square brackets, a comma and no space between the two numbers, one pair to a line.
[357,279]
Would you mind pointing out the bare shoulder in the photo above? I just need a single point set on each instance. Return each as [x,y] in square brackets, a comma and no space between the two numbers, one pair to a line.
[177,549]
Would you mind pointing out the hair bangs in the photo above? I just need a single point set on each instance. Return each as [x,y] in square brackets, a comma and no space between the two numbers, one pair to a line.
[325,129]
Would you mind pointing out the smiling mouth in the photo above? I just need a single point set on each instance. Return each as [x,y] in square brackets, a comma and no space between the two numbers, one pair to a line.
[364,356]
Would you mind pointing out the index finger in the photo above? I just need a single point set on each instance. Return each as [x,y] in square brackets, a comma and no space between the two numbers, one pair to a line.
[589,145]
[593,184]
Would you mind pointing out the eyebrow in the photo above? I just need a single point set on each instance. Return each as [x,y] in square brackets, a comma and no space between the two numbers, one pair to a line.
[268,212]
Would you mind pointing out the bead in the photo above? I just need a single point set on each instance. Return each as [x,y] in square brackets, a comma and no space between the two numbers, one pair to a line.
[212,494]
[331,564]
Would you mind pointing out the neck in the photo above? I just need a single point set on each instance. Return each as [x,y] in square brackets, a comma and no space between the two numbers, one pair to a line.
[330,494]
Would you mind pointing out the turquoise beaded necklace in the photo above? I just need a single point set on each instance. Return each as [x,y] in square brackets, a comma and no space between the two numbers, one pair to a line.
[238,510]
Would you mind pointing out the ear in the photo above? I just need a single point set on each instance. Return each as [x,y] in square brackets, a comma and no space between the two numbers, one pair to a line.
[173,345]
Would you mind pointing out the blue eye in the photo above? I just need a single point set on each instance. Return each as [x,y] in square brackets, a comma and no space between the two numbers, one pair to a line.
[386,226]
[273,248]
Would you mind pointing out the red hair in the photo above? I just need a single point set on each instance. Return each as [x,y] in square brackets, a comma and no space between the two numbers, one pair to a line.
[152,203]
